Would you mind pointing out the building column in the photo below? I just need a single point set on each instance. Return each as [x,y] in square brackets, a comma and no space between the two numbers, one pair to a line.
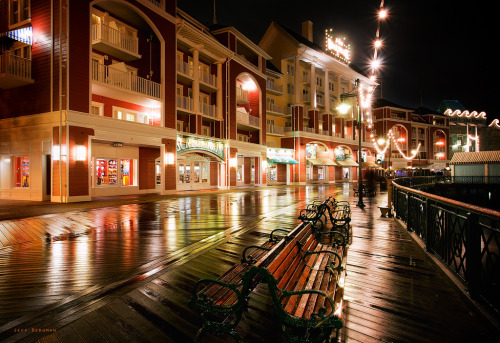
[313,86]
[196,85]
[327,95]
[218,101]
[297,87]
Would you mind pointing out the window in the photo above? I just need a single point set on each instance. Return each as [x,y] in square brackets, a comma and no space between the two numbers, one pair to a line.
[19,11]
[331,86]
[319,81]
[106,172]
[239,173]
[97,109]
[127,172]
[180,125]
[290,89]
[205,131]
[290,69]
[21,172]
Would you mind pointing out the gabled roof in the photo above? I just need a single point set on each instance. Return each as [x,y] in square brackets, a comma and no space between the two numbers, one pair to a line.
[379,103]
[452,104]
[479,157]
[426,111]
[272,68]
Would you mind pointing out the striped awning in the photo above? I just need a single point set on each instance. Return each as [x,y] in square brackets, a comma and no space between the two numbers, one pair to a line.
[282,160]
[24,35]
[347,163]
[321,162]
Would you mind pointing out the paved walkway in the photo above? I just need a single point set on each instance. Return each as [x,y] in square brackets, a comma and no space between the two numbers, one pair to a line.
[394,293]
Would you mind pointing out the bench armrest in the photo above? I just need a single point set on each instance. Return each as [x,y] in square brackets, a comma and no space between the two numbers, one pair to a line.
[338,237]
[250,259]
[275,239]
[321,315]
[202,301]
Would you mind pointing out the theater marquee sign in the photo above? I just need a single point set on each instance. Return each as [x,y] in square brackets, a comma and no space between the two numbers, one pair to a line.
[186,144]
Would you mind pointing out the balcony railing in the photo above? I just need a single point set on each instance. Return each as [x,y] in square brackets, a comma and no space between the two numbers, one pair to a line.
[208,78]
[125,80]
[270,107]
[320,101]
[247,119]
[278,130]
[111,36]
[184,102]
[183,68]
[15,66]
[207,109]
[241,94]
[273,87]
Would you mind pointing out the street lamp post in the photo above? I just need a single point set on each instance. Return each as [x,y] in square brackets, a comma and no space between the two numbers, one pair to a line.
[343,109]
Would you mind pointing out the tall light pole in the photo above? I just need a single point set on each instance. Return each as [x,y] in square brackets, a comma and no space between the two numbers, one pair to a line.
[343,108]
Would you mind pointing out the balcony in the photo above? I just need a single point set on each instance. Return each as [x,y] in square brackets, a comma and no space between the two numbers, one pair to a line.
[246,121]
[208,82]
[274,109]
[123,85]
[273,88]
[208,110]
[241,96]
[184,73]
[184,104]
[272,130]
[115,43]
[15,71]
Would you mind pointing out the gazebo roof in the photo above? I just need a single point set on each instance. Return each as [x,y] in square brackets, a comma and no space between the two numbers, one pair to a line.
[478,157]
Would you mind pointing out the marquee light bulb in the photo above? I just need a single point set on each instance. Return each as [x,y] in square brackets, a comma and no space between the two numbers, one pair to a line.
[378,43]
[382,14]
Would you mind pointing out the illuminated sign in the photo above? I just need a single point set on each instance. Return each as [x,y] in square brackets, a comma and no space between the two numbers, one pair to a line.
[337,46]
[185,144]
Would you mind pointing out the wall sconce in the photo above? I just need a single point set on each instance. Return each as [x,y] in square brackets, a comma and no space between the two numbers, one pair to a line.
[264,165]
[80,153]
[169,158]
[57,153]
[233,162]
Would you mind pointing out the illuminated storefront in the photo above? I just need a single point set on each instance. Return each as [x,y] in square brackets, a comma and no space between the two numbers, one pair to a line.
[318,163]
[198,163]
[278,165]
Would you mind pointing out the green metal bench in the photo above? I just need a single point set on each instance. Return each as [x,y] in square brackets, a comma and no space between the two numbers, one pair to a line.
[221,301]
[306,280]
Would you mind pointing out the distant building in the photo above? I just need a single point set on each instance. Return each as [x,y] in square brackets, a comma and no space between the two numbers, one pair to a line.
[411,128]
[480,163]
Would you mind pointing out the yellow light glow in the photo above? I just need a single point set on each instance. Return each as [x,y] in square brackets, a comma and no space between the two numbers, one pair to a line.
[382,14]
[343,108]
[378,43]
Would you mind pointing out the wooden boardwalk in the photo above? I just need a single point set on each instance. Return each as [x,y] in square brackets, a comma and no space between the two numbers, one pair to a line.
[393,293]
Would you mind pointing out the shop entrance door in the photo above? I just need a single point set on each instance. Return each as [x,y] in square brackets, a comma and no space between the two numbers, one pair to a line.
[193,175]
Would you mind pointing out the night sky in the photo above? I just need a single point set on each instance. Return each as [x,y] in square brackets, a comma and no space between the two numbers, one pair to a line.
[433,49]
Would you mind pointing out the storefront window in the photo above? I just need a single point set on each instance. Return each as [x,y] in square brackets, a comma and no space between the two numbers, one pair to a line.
[239,173]
[205,172]
[196,173]
[106,171]
[127,169]
[321,173]
[187,175]
[158,172]
[273,174]
[22,172]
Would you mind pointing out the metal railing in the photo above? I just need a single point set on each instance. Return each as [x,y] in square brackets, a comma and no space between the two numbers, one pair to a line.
[208,78]
[274,108]
[247,119]
[464,237]
[184,68]
[274,87]
[241,94]
[278,130]
[125,80]
[184,102]
[15,66]
[207,109]
[115,37]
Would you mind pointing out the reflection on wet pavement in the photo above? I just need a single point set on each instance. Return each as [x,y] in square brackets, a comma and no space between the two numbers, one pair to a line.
[114,241]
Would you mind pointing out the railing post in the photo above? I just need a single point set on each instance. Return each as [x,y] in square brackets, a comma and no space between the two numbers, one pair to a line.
[408,209]
[428,225]
[473,255]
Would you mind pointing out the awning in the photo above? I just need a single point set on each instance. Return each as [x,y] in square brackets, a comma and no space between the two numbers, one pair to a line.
[369,165]
[321,162]
[24,35]
[347,163]
[282,160]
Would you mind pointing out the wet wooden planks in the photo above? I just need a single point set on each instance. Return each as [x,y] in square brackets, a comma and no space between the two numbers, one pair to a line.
[393,294]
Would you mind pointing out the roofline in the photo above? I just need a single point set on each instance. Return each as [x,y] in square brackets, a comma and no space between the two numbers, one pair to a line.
[245,39]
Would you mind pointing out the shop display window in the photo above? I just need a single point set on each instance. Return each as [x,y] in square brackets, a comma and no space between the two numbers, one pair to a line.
[127,170]
[205,172]
[21,172]
[321,175]
[239,173]
[273,172]
[196,173]
[158,172]
[106,172]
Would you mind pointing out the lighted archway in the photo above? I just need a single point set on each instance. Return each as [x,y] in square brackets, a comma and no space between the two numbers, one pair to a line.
[249,107]
[439,144]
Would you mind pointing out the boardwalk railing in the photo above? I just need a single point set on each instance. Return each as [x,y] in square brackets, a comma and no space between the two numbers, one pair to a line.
[465,237]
